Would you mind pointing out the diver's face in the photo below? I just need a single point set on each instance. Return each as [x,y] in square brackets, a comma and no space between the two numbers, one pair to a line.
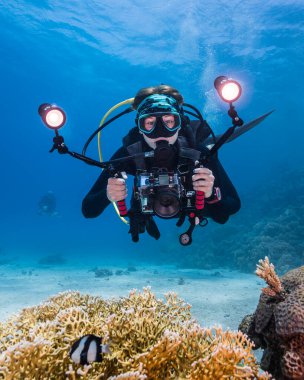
[169,121]
[164,127]
[149,123]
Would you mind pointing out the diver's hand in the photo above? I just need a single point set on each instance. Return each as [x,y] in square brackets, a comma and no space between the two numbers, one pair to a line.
[117,189]
[203,180]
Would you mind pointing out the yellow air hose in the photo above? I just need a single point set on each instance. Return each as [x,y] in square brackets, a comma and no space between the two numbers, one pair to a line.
[127,101]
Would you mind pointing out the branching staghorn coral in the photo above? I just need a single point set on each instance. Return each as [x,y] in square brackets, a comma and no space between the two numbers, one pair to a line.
[149,338]
[266,271]
[196,353]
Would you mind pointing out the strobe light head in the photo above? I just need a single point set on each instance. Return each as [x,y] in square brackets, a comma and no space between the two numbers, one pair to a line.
[52,116]
[228,89]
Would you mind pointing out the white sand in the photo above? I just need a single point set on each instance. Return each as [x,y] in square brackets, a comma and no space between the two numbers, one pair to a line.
[218,296]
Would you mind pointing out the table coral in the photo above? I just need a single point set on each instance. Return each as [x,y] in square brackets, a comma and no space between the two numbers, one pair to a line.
[150,338]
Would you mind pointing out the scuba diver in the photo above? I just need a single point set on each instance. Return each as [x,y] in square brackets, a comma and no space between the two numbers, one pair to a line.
[47,205]
[175,166]
[174,161]
[179,145]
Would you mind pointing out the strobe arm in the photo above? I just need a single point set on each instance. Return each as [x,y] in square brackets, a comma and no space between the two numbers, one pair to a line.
[59,145]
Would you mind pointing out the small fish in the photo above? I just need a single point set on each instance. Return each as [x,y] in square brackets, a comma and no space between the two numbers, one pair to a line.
[88,349]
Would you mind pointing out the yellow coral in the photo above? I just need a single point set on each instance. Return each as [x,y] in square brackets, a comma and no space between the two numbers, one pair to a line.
[150,339]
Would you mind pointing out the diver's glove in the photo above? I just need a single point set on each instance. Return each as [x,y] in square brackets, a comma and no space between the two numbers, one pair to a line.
[139,223]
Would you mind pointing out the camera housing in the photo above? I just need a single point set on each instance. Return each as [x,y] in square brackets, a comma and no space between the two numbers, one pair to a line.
[163,193]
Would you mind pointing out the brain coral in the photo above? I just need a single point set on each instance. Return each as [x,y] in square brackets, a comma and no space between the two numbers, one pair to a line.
[149,338]
[289,314]
[277,326]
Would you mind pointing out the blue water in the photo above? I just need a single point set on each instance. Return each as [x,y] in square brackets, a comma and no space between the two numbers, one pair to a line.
[88,56]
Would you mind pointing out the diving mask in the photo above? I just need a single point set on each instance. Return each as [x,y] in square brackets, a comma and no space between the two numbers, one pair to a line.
[170,121]
[159,115]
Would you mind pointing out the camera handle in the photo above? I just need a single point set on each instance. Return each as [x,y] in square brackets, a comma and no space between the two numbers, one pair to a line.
[122,207]
[199,195]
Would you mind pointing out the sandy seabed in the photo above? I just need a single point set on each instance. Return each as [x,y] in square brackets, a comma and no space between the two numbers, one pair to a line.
[218,296]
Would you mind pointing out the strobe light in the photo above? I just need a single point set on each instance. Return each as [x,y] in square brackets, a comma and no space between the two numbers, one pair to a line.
[52,116]
[228,89]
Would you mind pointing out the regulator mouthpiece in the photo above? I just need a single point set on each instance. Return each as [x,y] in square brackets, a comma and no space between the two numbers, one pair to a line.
[228,89]
[52,116]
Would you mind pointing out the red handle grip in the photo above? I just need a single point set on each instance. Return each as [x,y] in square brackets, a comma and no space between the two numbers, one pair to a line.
[123,211]
[199,200]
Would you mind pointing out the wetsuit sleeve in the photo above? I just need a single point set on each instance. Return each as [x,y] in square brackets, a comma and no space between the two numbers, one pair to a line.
[96,200]
[230,202]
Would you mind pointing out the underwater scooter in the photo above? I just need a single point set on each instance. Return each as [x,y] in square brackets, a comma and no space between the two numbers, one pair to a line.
[184,201]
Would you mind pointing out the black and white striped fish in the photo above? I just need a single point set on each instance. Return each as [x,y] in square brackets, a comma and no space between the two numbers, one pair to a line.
[88,349]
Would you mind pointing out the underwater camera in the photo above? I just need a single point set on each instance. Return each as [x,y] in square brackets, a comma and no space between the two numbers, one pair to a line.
[165,191]
[159,192]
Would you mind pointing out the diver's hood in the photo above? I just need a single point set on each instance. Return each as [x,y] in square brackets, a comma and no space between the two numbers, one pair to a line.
[158,103]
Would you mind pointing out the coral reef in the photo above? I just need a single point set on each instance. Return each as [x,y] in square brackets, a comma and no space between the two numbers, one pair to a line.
[149,338]
[131,268]
[277,325]
[56,259]
[105,272]
[101,272]
[121,272]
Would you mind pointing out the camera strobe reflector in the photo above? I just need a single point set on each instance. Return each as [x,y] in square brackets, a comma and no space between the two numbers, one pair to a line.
[52,116]
[228,89]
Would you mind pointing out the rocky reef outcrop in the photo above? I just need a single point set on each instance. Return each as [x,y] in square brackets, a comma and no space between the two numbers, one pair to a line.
[277,325]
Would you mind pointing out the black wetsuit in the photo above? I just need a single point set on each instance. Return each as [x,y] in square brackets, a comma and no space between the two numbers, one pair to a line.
[96,200]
